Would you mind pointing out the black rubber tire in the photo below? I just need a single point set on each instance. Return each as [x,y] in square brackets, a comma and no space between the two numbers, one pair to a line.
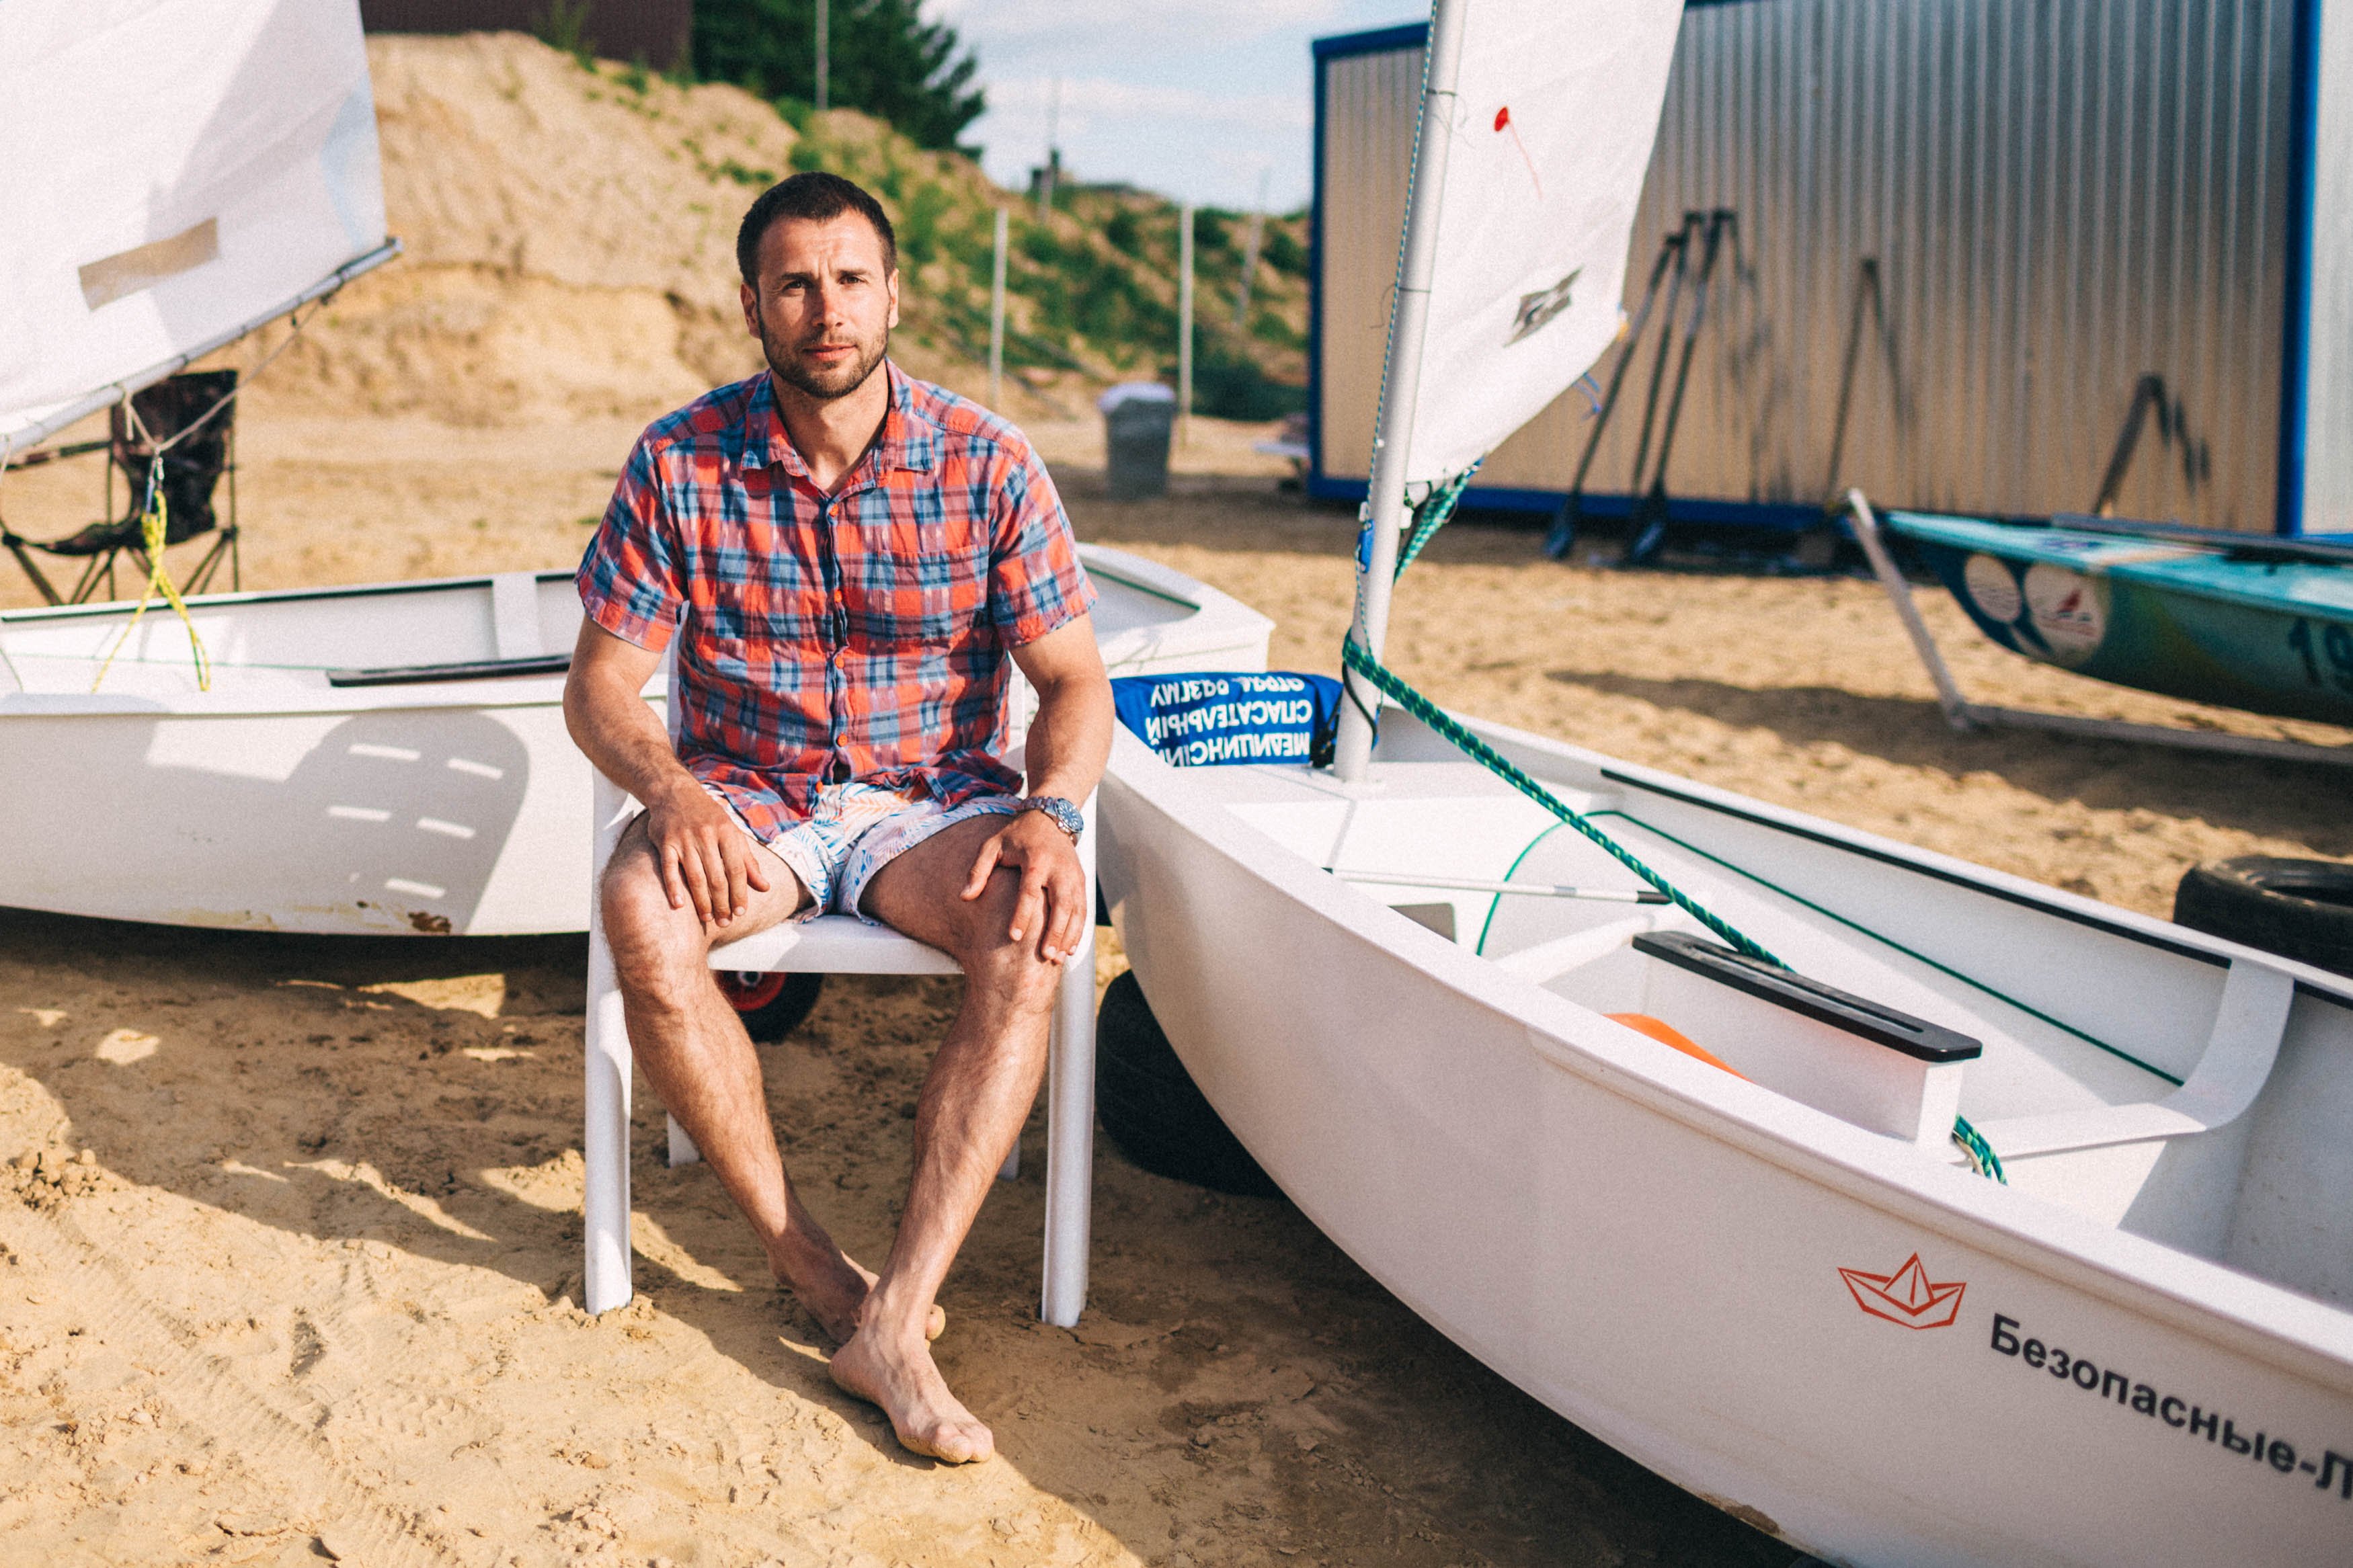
[1153,1110]
[771,1005]
[2297,909]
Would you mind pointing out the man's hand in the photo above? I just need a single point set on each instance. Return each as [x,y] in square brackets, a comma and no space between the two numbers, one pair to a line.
[1053,886]
[704,856]
[706,861]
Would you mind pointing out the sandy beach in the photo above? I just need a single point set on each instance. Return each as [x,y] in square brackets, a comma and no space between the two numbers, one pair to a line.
[289,1228]
[313,1287]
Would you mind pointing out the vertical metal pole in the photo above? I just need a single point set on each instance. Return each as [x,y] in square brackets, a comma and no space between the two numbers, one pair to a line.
[1071,1118]
[1385,509]
[1053,149]
[236,560]
[823,65]
[1185,325]
[1249,254]
[605,1144]
[996,320]
[1899,594]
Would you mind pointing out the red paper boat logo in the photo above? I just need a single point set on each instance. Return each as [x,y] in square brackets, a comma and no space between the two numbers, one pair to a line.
[1908,1296]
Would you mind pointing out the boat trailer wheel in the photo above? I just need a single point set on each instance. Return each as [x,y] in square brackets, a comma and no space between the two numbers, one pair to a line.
[771,1005]
[1153,1110]
[2297,909]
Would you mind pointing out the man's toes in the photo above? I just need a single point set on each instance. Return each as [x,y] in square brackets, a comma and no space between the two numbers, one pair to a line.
[958,1443]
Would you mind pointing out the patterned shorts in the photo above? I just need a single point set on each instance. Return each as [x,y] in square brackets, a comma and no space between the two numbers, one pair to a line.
[856,830]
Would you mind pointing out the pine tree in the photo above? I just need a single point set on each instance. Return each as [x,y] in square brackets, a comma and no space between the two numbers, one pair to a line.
[885,60]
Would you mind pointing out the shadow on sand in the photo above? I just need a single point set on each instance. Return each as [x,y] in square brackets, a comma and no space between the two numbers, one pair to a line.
[282,1074]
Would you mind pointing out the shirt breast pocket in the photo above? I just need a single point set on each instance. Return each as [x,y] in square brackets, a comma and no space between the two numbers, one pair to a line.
[918,590]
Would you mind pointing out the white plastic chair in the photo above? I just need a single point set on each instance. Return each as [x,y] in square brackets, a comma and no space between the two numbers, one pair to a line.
[834,944]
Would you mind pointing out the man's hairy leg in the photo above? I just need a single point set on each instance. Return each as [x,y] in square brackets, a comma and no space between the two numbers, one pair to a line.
[974,1101]
[692,1046]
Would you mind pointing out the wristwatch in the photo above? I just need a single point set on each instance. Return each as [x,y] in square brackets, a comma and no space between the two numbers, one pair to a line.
[1059,811]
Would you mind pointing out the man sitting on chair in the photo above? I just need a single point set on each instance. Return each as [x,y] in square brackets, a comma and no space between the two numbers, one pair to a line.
[849,557]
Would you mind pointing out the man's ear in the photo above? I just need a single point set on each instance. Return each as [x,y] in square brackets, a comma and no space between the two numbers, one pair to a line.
[751,298]
[892,284]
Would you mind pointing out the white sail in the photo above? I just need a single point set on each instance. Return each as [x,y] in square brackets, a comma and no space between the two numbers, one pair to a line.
[1556,104]
[181,171]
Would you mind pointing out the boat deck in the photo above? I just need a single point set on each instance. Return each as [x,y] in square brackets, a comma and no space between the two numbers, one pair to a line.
[1454,821]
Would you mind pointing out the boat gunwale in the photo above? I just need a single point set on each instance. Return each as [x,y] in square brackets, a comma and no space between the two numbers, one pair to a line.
[35,613]
[2009,895]
[2297,1333]
[2074,907]
[1138,573]
[2150,575]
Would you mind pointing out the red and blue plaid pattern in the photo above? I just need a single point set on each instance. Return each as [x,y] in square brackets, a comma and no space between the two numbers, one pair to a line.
[862,636]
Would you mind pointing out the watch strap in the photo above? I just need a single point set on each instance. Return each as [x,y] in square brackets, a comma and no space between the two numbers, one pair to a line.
[1064,814]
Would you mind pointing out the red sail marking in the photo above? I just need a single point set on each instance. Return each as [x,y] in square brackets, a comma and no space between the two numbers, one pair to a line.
[1504,124]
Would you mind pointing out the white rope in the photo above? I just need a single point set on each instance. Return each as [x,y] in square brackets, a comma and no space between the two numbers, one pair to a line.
[295,322]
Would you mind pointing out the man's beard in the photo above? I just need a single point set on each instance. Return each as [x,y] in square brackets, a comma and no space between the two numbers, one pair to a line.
[825,386]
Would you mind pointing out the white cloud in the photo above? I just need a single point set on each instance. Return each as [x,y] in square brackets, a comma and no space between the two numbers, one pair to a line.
[1189,97]
[1027,98]
[1125,22]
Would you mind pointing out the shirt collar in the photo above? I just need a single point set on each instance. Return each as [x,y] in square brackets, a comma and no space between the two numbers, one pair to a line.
[909,441]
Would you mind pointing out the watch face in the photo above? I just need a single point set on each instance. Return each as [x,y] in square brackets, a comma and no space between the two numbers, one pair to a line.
[1065,815]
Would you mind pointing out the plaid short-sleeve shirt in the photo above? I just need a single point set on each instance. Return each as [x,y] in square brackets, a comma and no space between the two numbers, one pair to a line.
[858,636]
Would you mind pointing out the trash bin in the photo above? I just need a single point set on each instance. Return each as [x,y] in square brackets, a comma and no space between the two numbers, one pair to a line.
[1137,418]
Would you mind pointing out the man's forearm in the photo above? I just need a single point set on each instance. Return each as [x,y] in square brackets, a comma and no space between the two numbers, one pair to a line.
[623,736]
[1070,739]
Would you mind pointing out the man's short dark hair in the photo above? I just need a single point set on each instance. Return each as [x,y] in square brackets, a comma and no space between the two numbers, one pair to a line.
[820,197]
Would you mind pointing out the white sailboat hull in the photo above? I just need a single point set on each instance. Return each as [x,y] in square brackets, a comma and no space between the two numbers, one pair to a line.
[279,801]
[1654,1248]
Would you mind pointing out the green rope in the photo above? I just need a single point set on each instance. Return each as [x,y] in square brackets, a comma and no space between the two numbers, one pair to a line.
[1982,1159]
[1428,518]
[1503,768]
[1432,515]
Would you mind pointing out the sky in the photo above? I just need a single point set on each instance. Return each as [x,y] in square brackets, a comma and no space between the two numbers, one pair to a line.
[1199,100]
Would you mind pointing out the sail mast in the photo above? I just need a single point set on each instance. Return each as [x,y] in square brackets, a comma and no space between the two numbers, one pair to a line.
[1385,507]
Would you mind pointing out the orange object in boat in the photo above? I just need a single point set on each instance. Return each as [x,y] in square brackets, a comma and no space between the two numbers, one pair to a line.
[1667,1035]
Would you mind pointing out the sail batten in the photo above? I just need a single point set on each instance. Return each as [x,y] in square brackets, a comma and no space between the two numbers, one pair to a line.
[192,170]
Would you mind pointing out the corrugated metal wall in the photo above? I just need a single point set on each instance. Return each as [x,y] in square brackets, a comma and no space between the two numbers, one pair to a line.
[2329,423]
[1370,103]
[2058,200]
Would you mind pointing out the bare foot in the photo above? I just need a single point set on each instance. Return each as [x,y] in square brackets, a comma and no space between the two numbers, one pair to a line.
[903,1381]
[833,1287]
[935,1321]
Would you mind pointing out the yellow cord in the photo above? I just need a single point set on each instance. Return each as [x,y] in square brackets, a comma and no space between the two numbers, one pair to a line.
[159,580]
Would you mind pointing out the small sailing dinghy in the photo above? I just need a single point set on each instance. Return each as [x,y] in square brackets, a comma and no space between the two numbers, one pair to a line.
[2238,620]
[1913,1212]
[381,758]
[387,759]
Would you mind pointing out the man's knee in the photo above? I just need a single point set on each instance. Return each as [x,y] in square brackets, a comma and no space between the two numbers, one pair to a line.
[992,958]
[653,944]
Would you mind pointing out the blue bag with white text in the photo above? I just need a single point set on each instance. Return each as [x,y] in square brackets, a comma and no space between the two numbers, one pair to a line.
[1203,718]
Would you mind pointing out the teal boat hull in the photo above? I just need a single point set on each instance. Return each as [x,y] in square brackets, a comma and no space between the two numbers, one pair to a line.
[2155,614]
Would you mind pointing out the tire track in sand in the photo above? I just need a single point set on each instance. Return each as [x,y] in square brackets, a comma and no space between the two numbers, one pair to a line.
[204,1390]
